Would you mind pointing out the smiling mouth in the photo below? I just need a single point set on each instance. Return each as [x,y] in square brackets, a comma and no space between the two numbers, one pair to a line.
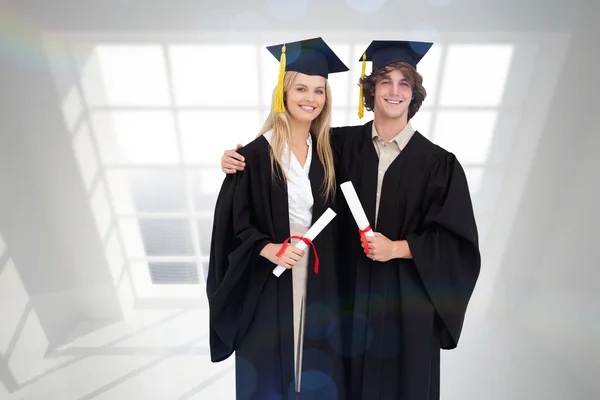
[308,108]
[393,102]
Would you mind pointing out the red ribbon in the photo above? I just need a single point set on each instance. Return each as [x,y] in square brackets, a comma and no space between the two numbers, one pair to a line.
[305,240]
[363,237]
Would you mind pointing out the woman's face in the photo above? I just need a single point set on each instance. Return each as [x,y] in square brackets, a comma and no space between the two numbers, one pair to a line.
[306,97]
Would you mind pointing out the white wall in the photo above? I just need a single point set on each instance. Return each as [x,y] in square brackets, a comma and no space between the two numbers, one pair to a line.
[548,284]
[44,211]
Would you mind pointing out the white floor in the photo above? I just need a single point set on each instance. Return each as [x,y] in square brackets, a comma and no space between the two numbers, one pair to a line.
[163,354]
[152,354]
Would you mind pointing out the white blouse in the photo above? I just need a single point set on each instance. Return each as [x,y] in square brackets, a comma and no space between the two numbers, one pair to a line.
[300,198]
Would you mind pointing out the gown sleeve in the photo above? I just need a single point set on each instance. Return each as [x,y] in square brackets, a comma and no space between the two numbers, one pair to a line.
[446,250]
[336,141]
[236,275]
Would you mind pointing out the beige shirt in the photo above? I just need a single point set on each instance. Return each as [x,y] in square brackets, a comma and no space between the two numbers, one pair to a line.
[387,153]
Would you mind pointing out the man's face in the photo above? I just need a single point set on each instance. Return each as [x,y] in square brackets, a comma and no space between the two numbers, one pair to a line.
[393,94]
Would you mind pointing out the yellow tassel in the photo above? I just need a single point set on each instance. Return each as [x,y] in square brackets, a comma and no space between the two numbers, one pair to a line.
[361,106]
[279,106]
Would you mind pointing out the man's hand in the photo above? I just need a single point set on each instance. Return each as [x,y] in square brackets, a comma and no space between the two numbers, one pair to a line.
[288,259]
[383,249]
[232,161]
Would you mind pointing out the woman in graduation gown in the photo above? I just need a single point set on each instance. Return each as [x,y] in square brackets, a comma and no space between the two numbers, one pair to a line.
[282,329]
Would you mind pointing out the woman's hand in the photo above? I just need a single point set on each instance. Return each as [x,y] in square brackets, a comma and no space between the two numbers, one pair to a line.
[288,259]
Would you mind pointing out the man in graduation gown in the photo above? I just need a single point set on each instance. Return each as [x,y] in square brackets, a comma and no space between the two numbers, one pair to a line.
[408,294]
[411,290]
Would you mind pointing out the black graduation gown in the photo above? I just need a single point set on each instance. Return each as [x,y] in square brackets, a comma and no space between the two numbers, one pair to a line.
[251,310]
[405,310]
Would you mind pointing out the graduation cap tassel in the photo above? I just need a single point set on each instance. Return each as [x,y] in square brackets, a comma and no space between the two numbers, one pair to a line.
[279,106]
[361,106]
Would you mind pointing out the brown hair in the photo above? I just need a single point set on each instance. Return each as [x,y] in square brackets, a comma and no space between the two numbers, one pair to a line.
[414,79]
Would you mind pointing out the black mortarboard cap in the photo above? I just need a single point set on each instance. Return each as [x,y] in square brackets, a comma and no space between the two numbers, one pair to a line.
[310,57]
[385,52]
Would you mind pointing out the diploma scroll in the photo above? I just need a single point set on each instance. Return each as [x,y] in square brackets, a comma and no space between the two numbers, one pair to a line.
[314,230]
[356,208]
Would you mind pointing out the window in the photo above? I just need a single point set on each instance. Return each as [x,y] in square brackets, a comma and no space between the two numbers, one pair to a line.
[156,119]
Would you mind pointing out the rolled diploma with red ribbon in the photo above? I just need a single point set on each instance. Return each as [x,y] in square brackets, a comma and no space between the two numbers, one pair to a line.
[356,208]
[311,234]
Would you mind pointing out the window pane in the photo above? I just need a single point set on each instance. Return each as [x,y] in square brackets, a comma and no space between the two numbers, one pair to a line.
[132,237]
[475,75]
[136,137]
[429,68]
[421,122]
[474,176]
[207,183]
[205,226]
[264,115]
[158,191]
[148,190]
[205,270]
[120,191]
[339,117]
[166,237]
[145,287]
[468,134]
[206,134]
[197,80]
[133,75]
[173,273]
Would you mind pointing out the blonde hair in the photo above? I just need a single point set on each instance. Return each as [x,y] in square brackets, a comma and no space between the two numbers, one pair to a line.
[279,124]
